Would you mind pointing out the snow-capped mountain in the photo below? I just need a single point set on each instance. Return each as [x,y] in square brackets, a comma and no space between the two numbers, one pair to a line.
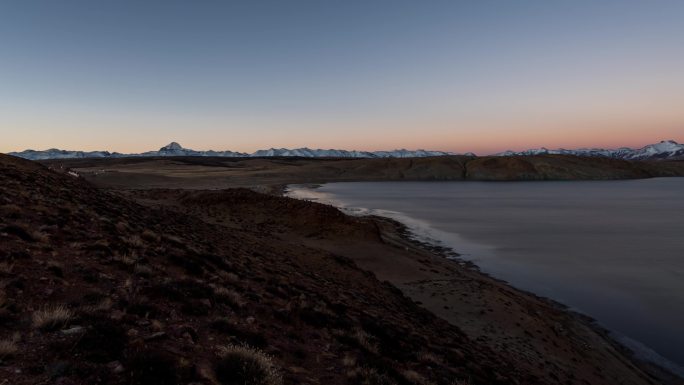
[667,149]
[175,149]
[54,153]
[318,153]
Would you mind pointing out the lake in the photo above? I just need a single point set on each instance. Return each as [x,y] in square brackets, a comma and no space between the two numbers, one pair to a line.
[613,250]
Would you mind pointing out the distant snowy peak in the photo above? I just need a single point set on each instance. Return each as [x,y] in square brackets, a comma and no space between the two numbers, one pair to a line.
[175,149]
[319,153]
[54,153]
[663,150]
[667,149]
[173,146]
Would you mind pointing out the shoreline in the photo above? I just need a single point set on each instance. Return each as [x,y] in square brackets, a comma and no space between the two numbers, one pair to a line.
[394,227]
[451,255]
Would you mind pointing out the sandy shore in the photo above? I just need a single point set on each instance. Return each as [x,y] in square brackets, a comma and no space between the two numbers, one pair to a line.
[542,336]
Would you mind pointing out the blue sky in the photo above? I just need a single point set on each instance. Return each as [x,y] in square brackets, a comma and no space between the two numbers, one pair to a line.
[477,76]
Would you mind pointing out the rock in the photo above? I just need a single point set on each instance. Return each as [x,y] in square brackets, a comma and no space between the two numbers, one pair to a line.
[115,367]
[155,336]
[72,330]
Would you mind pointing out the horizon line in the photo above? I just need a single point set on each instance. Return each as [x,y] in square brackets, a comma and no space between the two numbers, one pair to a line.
[347,150]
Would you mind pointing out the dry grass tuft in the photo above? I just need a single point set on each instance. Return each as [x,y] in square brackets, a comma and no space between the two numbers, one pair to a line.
[103,305]
[143,270]
[12,210]
[121,227]
[8,348]
[365,340]
[6,267]
[428,358]
[51,317]
[134,241]
[349,360]
[415,378]
[230,277]
[245,366]
[369,376]
[40,236]
[231,296]
[126,259]
[150,236]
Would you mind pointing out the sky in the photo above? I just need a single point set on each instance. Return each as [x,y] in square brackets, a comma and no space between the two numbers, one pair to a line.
[481,76]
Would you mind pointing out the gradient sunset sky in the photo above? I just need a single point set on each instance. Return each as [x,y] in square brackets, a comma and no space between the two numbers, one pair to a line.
[482,75]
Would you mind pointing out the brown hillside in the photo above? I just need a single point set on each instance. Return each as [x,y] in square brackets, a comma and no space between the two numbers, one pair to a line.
[97,289]
[220,173]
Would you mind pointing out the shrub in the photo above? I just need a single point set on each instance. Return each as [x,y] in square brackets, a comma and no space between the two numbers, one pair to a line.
[51,317]
[242,365]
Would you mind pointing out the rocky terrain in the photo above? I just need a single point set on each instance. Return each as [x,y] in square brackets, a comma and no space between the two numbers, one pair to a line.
[237,287]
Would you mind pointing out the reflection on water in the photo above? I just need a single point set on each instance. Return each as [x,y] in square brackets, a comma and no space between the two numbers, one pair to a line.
[611,249]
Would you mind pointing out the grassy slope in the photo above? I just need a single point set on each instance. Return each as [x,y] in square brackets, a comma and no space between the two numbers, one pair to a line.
[154,295]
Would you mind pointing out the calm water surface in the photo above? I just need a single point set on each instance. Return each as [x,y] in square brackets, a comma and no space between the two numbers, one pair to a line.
[611,249]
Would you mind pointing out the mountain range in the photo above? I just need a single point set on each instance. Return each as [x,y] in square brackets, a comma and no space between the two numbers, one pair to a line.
[668,149]
[175,149]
